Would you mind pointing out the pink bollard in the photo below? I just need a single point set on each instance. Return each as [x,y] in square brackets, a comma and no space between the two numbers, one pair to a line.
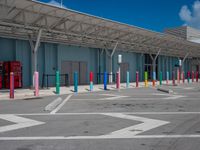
[117,80]
[36,80]
[137,79]
[197,76]
[12,87]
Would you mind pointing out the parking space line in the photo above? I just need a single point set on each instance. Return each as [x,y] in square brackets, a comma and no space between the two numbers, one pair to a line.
[97,137]
[61,105]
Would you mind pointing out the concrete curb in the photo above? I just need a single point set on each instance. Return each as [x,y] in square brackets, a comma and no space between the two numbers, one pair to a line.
[53,104]
[169,91]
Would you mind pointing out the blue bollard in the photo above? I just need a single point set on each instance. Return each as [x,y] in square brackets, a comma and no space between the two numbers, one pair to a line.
[167,80]
[127,79]
[105,80]
[75,82]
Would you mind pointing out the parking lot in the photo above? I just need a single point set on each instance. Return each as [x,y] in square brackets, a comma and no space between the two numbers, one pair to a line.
[129,119]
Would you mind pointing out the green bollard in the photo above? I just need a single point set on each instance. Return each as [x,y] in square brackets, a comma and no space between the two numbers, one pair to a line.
[146,79]
[160,78]
[76,82]
[57,82]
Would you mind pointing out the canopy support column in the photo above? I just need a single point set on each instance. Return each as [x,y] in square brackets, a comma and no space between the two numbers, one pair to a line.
[154,60]
[34,50]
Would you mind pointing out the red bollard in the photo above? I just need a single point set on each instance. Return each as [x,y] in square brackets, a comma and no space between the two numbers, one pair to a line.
[117,80]
[12,85]
[137,79]
[173,77]
[91,81]
[197,76]
[192,76]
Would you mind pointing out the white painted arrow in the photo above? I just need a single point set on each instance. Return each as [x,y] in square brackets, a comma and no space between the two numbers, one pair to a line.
[129,132]
[169,96]
[113,97]
[20,122]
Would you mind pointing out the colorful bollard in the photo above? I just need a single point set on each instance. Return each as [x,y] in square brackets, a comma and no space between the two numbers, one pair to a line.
[146,79]
[188,77]
[117,80]
[178,76]
[160,78]
[173,78]
[197,76]
[91,81]
[183,77]
[105,80]
[76,82]
[12,85]
[137,79]
[154,79]
[57,82]
[167,75]
[127,79]
[192,76]
[36,83]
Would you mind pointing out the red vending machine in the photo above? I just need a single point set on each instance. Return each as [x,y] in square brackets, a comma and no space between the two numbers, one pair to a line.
[16,68]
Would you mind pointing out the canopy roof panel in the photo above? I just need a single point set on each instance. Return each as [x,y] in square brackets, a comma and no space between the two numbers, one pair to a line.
[24,18]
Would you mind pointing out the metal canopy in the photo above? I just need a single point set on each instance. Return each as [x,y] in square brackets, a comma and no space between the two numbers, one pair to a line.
[23,19]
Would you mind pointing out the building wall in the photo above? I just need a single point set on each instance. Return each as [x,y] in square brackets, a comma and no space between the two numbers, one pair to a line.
[50,57]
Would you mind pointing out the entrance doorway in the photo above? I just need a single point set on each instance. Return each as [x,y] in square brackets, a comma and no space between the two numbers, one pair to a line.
[69,67]
[124,67]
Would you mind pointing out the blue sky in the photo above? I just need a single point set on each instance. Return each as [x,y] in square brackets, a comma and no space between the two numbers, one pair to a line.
[150,14]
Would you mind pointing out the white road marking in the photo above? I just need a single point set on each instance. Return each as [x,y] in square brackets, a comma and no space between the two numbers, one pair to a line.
[61,105]
[53,104]
[101,113]
[79,138]
[21,122]
[113,97]
[174,97]
[147,124]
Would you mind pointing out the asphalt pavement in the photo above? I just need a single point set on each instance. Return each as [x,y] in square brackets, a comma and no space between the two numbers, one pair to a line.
[128,119]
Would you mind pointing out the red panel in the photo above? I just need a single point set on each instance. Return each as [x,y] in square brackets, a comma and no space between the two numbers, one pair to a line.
[0,82]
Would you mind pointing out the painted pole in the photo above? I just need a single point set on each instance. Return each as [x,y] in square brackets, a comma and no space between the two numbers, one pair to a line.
[127,79]
[105,80]
[197,76]
[192,76]
[173,78]
[91,81]
[76,82]
[12,85]
[188,76]
[146,79]
[57,82]
[178,76]
[154,79]
[36,80]
[137,79]
[167,75]
[117,80]
[183,77]
[161,78]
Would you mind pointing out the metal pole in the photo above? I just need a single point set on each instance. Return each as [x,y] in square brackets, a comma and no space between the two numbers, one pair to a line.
[57,82]
[105,80]
[127,79]
[12,85]
[137,79]
[75,82]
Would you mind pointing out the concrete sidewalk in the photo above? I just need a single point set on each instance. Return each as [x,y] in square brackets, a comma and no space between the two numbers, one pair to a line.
[29,93]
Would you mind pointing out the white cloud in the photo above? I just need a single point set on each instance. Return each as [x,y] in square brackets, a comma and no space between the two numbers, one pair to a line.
[191,17]
[55,3]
